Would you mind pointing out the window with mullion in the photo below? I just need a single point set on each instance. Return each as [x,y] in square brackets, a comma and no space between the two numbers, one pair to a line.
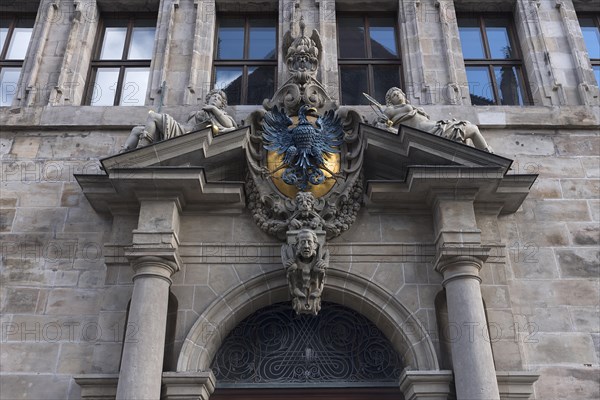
[15,35]
[590,28]
[121,67]
[245,60]
[493,61]
[368,57]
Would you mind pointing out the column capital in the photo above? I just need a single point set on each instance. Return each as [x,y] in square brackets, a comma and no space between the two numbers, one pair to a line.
[461,262]
[426,385]
[153,266]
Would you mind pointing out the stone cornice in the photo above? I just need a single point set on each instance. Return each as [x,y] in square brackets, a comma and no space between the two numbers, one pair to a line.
[125,117]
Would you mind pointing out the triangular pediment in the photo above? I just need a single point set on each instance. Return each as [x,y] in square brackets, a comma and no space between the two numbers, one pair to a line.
[402,170]
[220,156]
[204,171]
[389,156]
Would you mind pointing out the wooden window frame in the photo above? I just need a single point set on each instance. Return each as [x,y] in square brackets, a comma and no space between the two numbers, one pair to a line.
[490,62]
[4,63]
[244,62]
[19,63]
[123,63]
[368,61]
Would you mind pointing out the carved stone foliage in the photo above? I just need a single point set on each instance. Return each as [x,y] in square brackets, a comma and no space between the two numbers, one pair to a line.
[305,262]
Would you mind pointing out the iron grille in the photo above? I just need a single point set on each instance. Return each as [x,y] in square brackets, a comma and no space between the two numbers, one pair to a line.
[274,345]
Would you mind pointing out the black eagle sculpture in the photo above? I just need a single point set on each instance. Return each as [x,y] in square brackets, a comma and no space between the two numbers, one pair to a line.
[303,147]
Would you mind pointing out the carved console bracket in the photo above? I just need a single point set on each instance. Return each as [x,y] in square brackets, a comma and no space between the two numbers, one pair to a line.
[305,260]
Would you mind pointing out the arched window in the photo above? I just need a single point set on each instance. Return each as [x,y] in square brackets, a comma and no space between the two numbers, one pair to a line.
[275,346]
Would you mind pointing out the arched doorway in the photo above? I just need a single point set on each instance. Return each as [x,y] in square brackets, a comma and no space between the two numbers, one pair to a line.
[276,354]
[398,324]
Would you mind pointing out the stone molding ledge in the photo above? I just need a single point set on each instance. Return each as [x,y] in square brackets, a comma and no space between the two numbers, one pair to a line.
[124,117]
[416,385]
[176,386]
[438,385]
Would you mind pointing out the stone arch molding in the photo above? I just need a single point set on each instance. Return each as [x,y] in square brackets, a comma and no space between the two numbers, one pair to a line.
[397,323]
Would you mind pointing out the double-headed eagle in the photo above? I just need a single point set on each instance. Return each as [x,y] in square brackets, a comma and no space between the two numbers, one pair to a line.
[304,146]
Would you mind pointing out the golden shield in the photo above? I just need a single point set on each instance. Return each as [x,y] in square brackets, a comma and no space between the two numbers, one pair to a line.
[274,165]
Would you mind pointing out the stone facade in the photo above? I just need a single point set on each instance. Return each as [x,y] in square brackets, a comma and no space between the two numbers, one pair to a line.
[69,261]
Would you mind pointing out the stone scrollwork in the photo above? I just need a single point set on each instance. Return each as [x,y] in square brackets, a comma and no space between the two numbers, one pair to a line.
[305,157]
[305,262]
[297,145]
[303,55]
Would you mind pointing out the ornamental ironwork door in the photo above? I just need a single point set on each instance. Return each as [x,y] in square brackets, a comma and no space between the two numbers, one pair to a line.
[277,354]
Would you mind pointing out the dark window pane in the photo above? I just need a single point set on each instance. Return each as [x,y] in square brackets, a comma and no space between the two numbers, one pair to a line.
[231,39]
[596,69]
[385,77]
[113,43]
[9,77]
[497,33]
[480,86]
[261,83]
[470,38]
[135,85]
[510,87]
[142,43]
[591,36]
[229,79]
[351,37]
[262,39]
[354,84]
[105,87]
[19,42]
[383,38]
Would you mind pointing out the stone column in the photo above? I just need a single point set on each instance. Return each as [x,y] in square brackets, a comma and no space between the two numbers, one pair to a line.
[460,256]
[154,260]
[472,360]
